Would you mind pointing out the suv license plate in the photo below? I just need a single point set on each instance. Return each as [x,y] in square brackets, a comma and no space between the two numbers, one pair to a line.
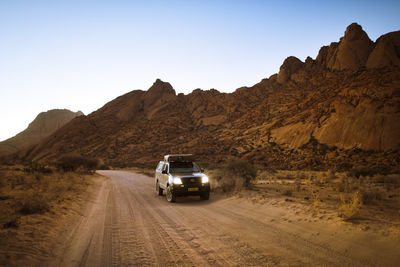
[193,189]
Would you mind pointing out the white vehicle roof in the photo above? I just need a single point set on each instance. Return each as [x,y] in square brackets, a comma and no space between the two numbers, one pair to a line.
[179,157]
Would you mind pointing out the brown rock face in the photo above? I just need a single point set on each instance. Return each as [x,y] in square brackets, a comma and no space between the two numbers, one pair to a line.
[290,66]
[43,125]
[157,96]
[327,54]
[386,52]
[370,124]
[350,53]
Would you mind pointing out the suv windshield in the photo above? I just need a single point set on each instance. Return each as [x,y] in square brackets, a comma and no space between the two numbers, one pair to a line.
[182,167]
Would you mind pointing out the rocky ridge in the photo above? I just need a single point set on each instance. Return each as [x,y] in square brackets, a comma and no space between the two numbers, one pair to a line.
[340,110]
[42,126]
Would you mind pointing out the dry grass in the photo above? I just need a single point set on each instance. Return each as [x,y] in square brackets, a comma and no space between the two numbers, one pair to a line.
[24,192]
[350,209]
[351,195]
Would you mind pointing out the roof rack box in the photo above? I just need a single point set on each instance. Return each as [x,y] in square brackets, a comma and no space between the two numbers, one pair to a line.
[179,157]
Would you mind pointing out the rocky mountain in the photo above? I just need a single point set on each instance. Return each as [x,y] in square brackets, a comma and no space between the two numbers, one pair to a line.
[42,126]
[339,111]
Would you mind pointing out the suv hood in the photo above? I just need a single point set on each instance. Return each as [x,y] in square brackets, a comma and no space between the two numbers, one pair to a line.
[188,174]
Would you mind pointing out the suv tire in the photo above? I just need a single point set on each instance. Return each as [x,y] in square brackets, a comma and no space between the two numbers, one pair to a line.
[170,195]
[159,190]
[205,196]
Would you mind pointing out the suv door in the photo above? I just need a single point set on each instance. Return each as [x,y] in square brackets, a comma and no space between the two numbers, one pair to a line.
[158,171]
[164,175]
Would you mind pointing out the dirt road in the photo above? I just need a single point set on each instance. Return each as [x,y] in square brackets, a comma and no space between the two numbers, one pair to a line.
[129,225]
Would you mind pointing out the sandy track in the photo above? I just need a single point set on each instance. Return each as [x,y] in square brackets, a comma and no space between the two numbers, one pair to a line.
[129,225]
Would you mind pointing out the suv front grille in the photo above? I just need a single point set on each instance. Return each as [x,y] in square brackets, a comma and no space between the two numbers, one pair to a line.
[191,180]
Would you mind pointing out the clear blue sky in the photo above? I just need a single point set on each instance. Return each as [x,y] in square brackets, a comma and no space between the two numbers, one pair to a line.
[81,54]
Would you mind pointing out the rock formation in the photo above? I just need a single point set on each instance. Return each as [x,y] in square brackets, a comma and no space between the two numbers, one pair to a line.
[290,66]
[331,112]
[42,126]
[386,52]
[350,53]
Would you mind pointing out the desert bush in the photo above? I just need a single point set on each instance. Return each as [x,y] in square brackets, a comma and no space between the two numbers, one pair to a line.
[301,175]
[224,181]
[241,169]
[73,162]
[350,209]
[361,171]
[297,184]
[102,165]
[34,192]
[11,222]
[347,184]
[391,180]
[219,181]
[331,175]
[314,193]
[369,195]
[34,202]
[320,180]
[264,175]
[37,167]
[288,193]
[344,166]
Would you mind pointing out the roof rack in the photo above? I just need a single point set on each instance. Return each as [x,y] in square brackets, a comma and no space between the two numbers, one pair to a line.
[179,157]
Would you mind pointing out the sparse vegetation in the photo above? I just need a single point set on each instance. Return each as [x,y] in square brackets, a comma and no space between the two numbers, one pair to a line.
[370,196]
[241,168]
[235,175]
[351,195]
[70,163]
[32,189]
[350,209]
[34,202]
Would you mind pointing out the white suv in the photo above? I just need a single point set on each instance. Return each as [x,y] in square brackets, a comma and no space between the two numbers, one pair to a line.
[180,176]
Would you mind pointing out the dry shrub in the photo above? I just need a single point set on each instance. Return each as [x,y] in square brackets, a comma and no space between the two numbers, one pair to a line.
[265,175]
[44,189]
[24,193]
[320,180]
[34,202]
[350,209]
[347,184]
[219,181]
[73,162]
[331,175]
[370,196]
[362,171]
[35,167]
[242,169]
[315,194]
[288,193]
[12,222]
[236,174]
[101,165]
[302,175]
[391,180]
[297,184]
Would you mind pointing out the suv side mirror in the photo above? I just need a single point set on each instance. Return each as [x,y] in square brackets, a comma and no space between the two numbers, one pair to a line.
[164,172]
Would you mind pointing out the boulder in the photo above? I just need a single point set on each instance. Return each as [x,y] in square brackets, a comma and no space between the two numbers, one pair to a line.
[290,66]
[350,53]
[386,52]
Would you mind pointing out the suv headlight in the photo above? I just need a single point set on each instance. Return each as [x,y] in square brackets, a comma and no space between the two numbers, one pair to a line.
[204,179]
[177,180]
